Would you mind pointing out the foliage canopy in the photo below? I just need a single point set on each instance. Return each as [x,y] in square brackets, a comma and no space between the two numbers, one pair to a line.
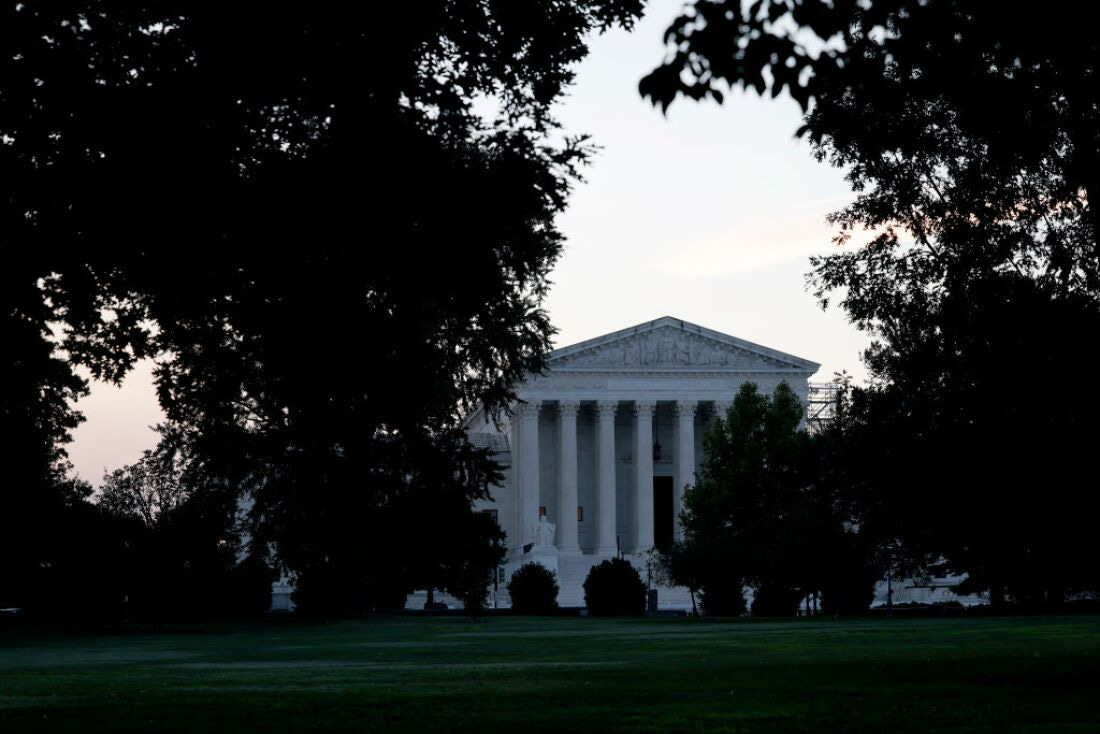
[331,225]
[970,133]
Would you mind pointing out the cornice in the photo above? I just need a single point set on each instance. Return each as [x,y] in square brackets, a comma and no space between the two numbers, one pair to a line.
[658,372]
[686,329]
[681,371]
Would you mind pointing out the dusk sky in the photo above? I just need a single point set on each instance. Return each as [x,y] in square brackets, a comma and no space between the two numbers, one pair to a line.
[709,215]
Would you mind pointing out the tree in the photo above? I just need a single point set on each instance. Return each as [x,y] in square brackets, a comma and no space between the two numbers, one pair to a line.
[970,136]
[764,512]
[856,536]
[476,560]
[746,497]
[150,488]
[442,542]
[1012,92]
[971,132]
[705,569]
[190,554]
[81,555]
[36,420]
[332,225]
[970,462]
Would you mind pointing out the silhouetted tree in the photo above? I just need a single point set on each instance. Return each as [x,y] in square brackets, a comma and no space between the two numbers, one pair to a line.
[82,554]
[978,109]
[769,509]
[196,562]
[971,132]
[36,419]
[967,459]
[333,224]
[478,549]
[702,565]
[151,487]
[432,533]
[190,551]
[747,494]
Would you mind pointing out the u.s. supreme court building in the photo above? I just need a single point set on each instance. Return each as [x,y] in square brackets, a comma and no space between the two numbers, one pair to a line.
[598,449]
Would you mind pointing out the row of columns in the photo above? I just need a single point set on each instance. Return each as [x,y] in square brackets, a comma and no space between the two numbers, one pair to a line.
[526,465]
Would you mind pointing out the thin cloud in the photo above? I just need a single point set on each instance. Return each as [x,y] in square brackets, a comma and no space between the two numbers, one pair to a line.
[743,251]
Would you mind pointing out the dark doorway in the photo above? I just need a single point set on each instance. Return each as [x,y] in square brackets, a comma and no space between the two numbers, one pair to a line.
[663,516]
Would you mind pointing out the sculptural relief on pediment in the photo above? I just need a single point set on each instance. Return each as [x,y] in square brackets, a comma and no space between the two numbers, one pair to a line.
[667,348]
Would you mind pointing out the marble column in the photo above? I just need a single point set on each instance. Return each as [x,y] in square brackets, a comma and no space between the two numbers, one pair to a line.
[643,475]
[527,496]
[605,476]
[567,476]
[685,457]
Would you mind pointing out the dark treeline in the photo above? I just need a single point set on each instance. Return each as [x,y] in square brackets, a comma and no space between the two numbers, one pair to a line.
[891,487]
[330,224]
[332,227]
[971,134]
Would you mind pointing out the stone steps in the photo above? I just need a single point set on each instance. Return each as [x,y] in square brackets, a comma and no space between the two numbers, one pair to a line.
[572,571]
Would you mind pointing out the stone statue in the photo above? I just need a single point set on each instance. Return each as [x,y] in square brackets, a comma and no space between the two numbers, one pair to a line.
[544,532]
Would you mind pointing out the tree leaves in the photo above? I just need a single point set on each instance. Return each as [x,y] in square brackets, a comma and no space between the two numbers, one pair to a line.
[306,216]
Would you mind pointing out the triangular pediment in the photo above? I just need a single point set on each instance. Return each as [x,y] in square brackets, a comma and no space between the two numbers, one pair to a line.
[673,344]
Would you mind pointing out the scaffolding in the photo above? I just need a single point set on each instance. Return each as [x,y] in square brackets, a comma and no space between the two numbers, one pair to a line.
[821,404]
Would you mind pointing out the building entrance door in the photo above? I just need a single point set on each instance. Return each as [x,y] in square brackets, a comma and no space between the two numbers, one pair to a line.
[664,516]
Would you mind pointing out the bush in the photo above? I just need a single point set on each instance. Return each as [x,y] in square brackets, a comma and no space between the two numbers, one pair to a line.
[534,589]
[614,588]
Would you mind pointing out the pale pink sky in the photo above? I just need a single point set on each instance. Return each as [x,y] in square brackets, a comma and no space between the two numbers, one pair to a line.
[709,215]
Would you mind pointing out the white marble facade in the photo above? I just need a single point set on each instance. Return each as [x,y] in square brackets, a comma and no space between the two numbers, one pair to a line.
[603,443]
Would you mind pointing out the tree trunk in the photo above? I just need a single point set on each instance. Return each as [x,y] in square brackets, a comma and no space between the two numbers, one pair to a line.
[996,596]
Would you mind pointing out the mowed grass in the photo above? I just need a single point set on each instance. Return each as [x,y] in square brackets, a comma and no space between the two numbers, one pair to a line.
[514,674]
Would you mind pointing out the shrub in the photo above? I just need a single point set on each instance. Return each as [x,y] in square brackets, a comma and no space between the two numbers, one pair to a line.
[614,588]
[534,589]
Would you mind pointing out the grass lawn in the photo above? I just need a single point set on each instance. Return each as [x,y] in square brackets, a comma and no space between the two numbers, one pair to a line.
[512,674]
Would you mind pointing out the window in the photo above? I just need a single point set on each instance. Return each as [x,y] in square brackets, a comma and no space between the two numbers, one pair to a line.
[542,511]
[492,514]
[580,514]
